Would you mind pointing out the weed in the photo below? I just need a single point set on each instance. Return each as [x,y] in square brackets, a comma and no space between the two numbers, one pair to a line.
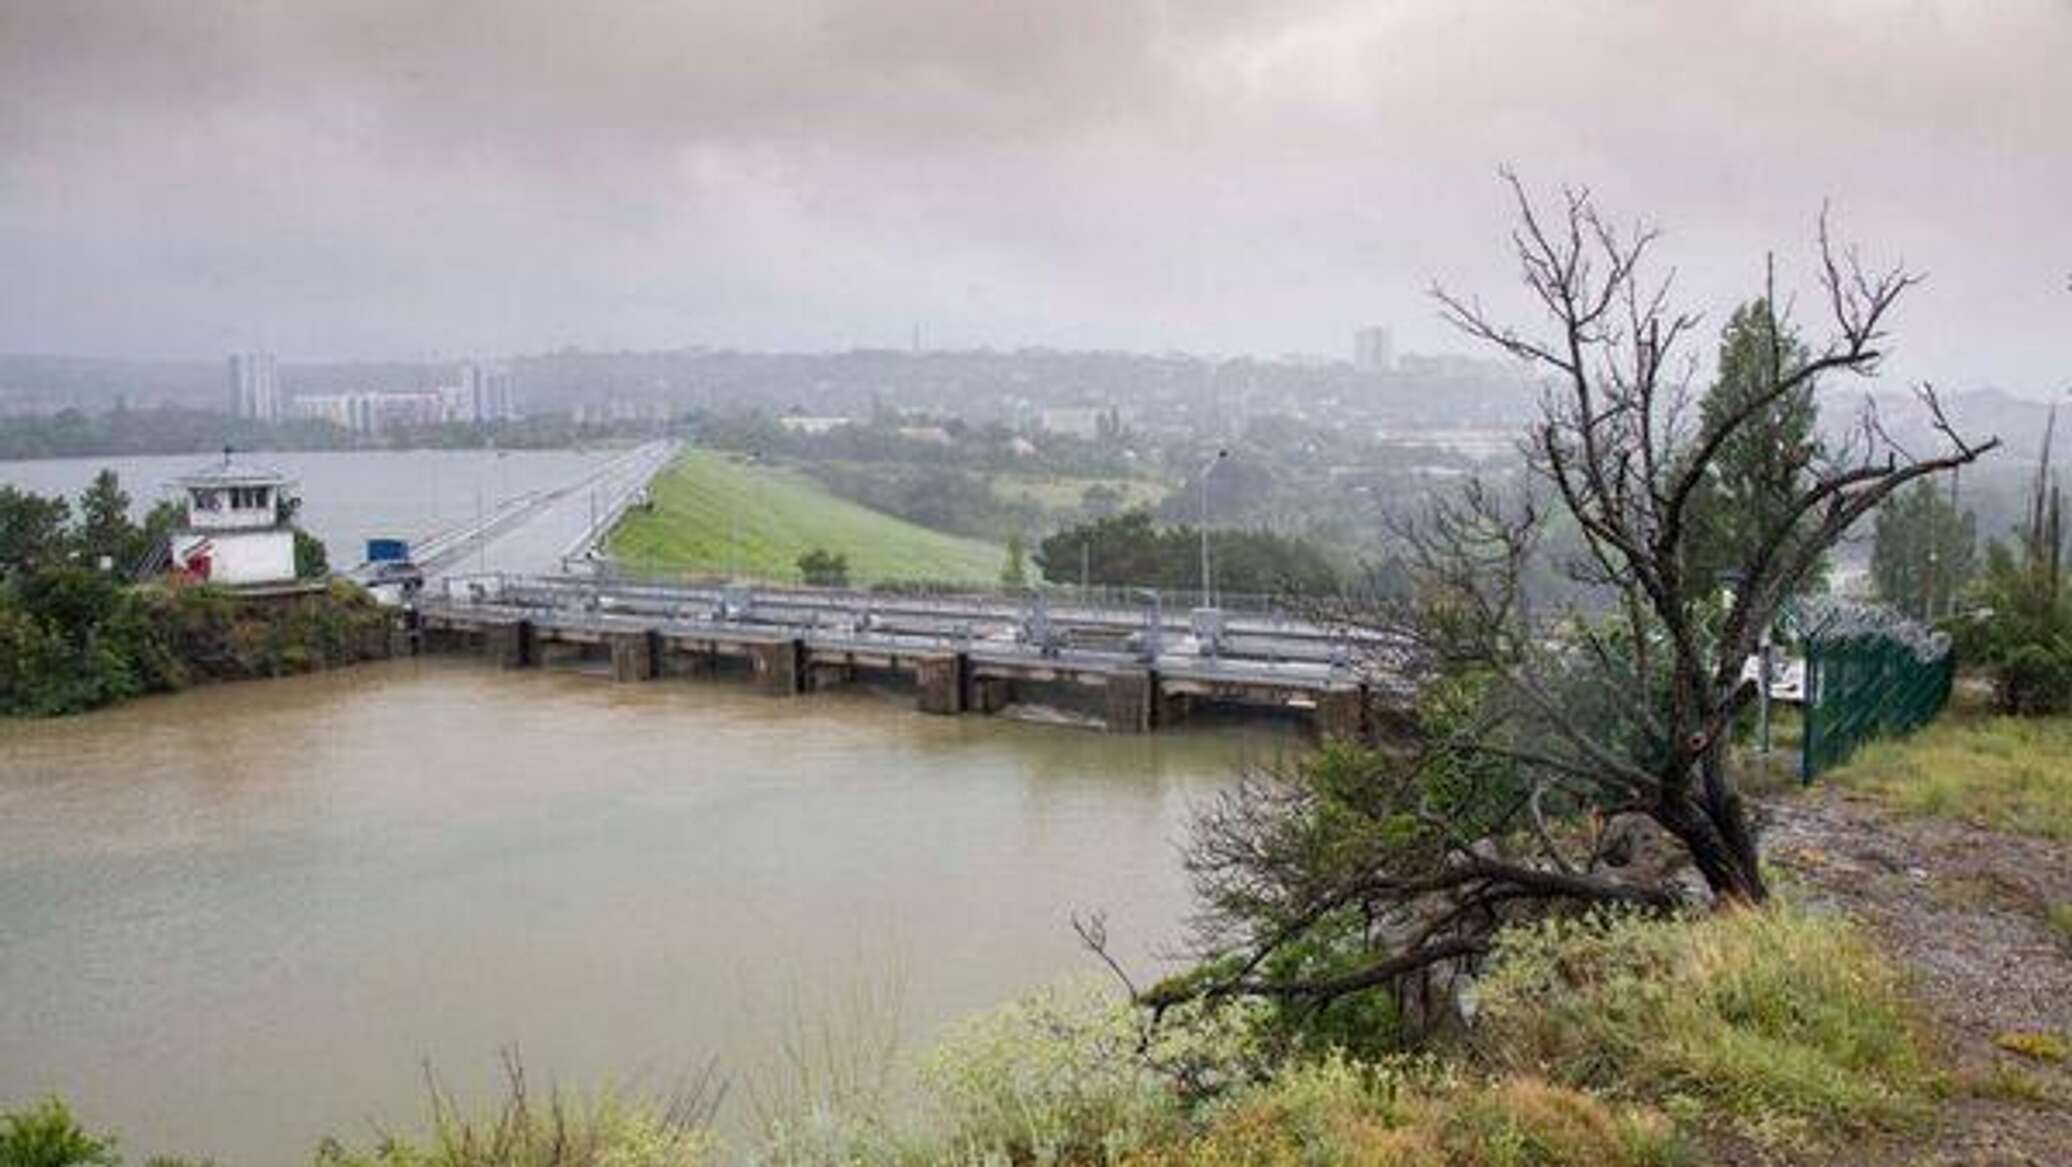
[2043,1047]
[1419,1114]
[1781,1022]
[2059,917]
[610,1131]
[2006,1083]
[2008,773]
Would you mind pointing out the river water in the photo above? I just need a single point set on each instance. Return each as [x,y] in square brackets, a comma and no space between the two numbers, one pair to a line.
[235,919]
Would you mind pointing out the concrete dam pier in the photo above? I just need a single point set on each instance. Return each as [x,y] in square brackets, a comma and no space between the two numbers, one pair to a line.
[954,664]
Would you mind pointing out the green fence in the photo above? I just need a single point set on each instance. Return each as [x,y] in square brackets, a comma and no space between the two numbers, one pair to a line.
[1870,673]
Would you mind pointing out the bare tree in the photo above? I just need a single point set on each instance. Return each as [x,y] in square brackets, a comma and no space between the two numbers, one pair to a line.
[1603,702]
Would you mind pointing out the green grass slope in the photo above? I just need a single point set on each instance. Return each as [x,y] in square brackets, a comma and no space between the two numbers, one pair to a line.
[2007,773]
[705,498]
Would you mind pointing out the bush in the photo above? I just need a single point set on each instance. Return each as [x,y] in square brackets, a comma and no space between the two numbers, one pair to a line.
[46,1135]
[72,640]
[54,635]
[1070,1074]
[2022,635]
[311,560]
[1780,1022]
[609,1132]
[822,568]
[1416,1114]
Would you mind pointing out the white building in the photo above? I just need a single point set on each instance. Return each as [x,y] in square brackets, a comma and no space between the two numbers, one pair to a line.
[234,533]
[484,394]
[336,408]
[370,413]
[255,389]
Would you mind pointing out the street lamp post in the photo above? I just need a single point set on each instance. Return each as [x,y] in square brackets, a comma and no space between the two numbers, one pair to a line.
[1208,589]
[755,458]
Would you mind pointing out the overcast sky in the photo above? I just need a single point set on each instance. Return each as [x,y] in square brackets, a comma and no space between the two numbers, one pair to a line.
[430,179]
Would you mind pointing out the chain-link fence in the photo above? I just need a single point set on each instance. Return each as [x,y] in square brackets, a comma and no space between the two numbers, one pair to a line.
[1870,673]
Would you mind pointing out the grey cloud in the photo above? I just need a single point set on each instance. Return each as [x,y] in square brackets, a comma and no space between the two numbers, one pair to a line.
[390,178]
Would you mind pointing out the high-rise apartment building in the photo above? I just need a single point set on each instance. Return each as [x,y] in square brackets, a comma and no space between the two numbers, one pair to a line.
[255,390]
[484,394]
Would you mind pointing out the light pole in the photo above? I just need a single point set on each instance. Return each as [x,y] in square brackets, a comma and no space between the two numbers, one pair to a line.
[755,458]
[1208,581]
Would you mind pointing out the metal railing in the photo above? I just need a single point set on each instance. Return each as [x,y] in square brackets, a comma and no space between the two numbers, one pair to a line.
[1100,596]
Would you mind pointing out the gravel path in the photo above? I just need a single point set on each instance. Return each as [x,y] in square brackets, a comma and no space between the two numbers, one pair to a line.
[1967,909]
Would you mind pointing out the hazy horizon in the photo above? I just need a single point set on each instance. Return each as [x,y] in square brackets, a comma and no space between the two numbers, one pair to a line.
[390,182]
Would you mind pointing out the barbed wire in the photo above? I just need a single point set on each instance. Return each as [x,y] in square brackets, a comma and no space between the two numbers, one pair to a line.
[1826,620]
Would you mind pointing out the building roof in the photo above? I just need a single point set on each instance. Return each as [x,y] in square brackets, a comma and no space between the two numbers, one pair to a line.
[228,472]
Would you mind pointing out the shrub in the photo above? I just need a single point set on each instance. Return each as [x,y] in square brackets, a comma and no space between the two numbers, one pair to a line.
[1781,1022]
[610,1131]
[1070,1075]
[822,568]
[46,1135]
[311,560]
[2022,635]
[1416,1114]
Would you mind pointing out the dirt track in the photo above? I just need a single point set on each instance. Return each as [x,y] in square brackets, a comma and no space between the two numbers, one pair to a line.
[1967,910]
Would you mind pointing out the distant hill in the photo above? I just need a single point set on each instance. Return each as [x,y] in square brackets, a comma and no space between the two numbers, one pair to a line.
[1977,414]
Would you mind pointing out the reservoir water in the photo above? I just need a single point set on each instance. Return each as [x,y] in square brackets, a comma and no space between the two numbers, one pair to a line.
[236,919]
[348,496]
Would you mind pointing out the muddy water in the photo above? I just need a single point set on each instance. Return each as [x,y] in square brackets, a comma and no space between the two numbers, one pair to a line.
[236,919]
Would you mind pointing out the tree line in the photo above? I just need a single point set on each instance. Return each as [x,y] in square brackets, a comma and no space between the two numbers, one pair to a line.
[1132,550]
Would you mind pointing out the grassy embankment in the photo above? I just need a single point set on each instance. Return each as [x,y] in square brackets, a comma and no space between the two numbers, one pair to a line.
[2005,773]
[706,500]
